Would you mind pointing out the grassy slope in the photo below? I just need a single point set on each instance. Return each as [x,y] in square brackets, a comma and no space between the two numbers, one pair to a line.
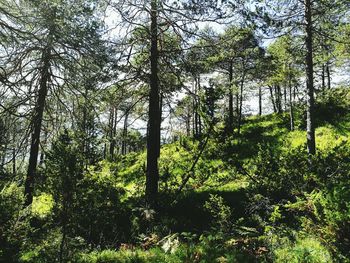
[216,174]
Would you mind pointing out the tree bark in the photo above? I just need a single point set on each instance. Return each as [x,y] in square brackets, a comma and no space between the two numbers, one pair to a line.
[278,95]
[125,133]
[240,104]
[160,121]
[285,97]
[37,123]
[230,101]
[152,173]
[14,152]
[112,130]
[260,101]
[196,115]
[328,75]
[311,144]
[323,78]
[272,99]
[199,107]
[291,110]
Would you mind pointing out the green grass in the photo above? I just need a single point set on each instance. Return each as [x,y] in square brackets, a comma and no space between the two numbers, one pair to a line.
[216,174]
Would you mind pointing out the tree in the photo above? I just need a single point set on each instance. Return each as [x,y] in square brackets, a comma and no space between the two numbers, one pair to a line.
[52,42]
[303,16]
[285,55]
[162,15]
[65,169]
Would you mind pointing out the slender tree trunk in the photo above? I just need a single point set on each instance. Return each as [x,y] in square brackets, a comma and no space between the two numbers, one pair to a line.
[323,78]
[152,173]
[196,115]
[125,134]
[199,107]
[328,75]
[260,101]
[105,151]
[112,131]
[14,153]
[230,101]
[278,98]
[37,122]
[42,153]
[237,103]
[160,121]
[272,99]
[188,122]
[291,112]
[285,98]
[311,144]
[240,104]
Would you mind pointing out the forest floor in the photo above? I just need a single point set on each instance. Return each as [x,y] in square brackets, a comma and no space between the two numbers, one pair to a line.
[250,198]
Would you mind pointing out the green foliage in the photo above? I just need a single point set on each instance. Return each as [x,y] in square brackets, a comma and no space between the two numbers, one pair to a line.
[14,222]
[220,212]
[279,174]
[306,249]
[209,249]
[42,205]
[332,106]
[44,251]
[248,198]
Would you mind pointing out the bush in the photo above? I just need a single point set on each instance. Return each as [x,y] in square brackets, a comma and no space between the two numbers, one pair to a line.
[220,212]
[14,222]
[308,250]
[278,174]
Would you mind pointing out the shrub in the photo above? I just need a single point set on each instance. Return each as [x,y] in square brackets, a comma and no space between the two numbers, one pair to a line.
[308,250]
[220,212]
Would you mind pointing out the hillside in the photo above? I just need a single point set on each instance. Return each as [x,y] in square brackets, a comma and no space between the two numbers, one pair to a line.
[252,198]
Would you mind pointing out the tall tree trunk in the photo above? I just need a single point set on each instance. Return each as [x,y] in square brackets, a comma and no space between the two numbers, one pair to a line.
[125,133]
[160,121]
[272,99]
[112,130]
[291,110]
[237,103]
[188,121]
[36,129]
[278,94]
[152,173]
[14,152]
[196,115]
[42,152]
[199,107]
[230,101]
[260,101]
[240,104]
[328,75]
[323,78]
[285,97]
[311,144]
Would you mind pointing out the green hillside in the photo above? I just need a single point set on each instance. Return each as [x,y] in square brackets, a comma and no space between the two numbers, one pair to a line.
[251,198]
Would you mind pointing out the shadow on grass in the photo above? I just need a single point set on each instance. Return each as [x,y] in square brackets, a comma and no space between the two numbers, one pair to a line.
[190,215]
